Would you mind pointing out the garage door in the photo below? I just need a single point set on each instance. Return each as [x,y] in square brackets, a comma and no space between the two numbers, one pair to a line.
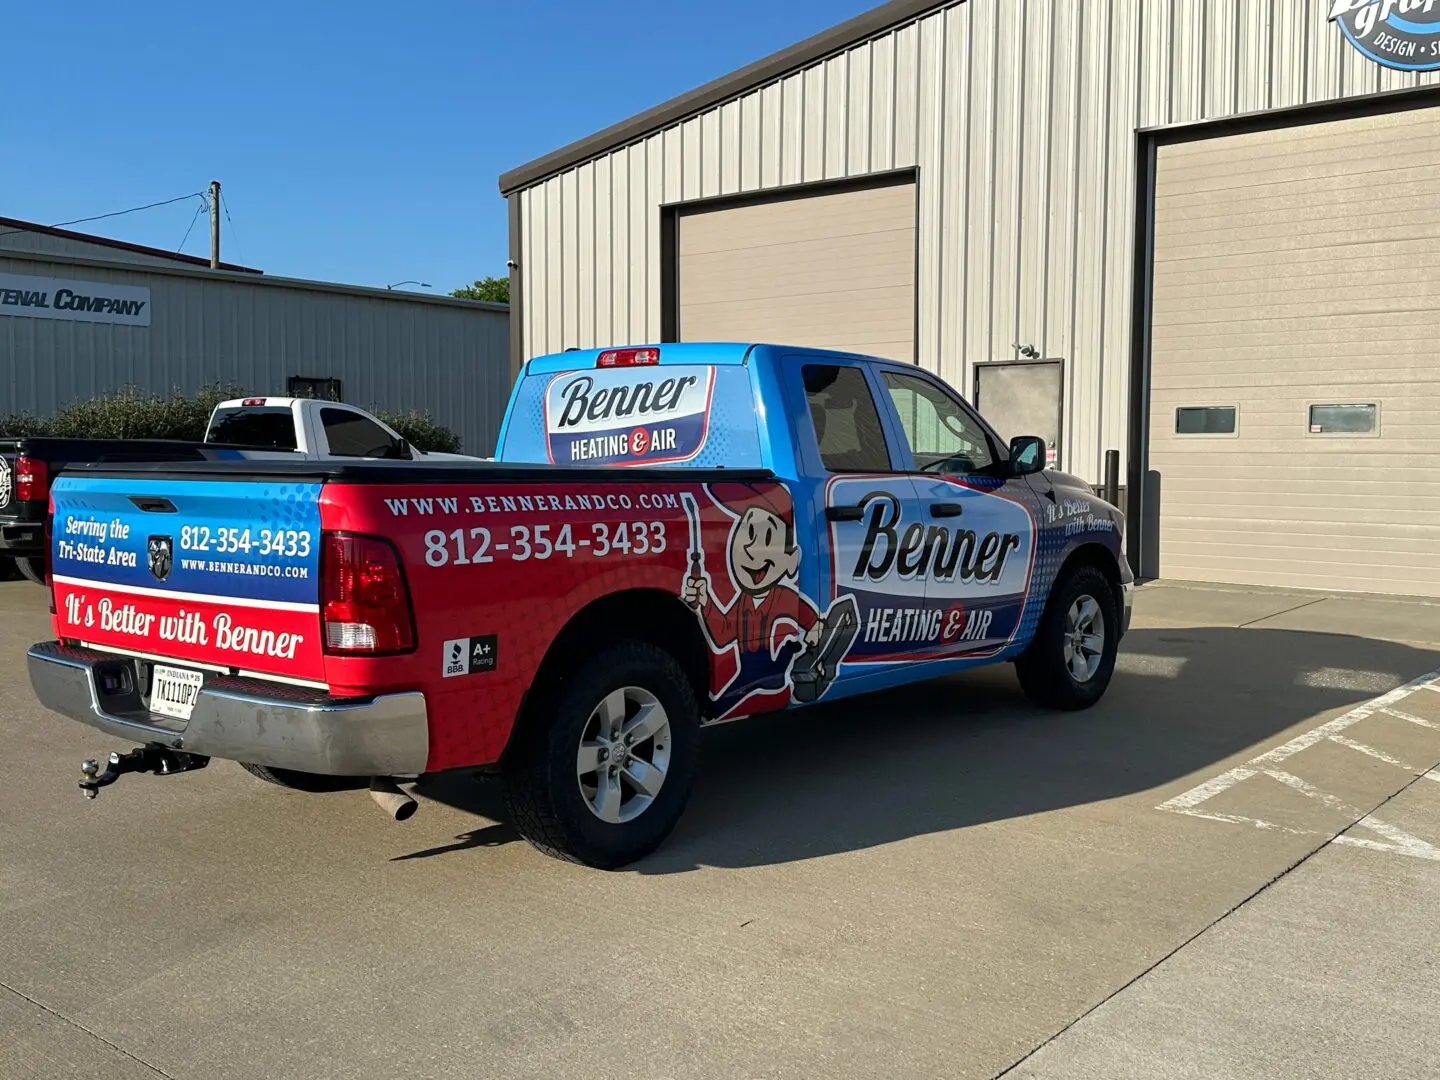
[1295,380]
[834,270]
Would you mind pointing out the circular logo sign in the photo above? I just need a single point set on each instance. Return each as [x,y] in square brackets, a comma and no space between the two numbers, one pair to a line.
[6,482]
[1401,34]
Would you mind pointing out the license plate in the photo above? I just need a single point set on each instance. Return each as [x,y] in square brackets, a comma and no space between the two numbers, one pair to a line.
[174,691]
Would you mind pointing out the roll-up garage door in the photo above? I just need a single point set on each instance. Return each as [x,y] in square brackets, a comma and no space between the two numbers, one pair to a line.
[1295,356]
[833,270]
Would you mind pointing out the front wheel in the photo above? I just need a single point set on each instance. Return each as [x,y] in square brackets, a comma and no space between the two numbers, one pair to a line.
[32,569]
[603,775]
[1069,664]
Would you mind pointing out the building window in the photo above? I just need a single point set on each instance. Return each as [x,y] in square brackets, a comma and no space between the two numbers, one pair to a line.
[323,389]
[1205,420]
[1344,419]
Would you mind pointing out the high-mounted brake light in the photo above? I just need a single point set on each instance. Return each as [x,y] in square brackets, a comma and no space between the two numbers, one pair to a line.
[32,479]
[363,602]
[253,401]
[628,358]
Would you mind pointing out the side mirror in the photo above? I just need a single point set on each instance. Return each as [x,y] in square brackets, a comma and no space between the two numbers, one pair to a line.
[1027,455]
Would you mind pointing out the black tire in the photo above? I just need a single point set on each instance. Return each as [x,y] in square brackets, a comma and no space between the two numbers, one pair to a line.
[539,774]
[32,569]
[304,781]
[1045,675]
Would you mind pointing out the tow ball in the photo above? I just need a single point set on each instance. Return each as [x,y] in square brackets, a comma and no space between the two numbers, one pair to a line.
[152,759]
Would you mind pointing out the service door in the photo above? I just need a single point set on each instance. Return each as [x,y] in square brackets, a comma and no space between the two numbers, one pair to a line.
[1294,389]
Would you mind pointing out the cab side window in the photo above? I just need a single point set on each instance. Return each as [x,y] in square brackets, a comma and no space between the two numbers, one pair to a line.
[847,424]
[942,435]
[349,434]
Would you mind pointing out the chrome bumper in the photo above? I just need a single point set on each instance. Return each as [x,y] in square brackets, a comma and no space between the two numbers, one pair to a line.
[239,719]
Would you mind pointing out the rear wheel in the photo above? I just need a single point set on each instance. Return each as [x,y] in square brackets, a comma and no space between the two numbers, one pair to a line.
[32,569]
[1069,664]
[304,781]
[606,779]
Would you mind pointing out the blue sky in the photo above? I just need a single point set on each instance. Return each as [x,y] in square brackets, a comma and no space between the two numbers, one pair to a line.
[356,142]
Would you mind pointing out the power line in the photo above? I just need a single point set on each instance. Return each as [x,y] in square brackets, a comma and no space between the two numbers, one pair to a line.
[113,213]
[132,210]
[193,218]
[233,234]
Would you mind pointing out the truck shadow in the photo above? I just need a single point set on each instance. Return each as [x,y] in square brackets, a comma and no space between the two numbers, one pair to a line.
[969,749]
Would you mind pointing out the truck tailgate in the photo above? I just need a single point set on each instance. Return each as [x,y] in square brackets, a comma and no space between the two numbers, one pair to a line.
[220,573]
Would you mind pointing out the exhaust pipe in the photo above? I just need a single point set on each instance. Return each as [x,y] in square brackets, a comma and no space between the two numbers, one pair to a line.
[389,797]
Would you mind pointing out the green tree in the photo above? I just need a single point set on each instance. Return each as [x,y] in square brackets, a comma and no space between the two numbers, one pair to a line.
[494,289]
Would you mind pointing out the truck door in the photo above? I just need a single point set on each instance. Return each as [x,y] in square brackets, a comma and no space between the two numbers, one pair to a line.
[862,502]
[980,536]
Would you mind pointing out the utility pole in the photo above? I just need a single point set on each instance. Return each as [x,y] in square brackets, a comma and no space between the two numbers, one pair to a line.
[214,224]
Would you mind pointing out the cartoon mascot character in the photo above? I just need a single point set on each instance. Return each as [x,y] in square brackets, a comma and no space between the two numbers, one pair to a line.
[768,623]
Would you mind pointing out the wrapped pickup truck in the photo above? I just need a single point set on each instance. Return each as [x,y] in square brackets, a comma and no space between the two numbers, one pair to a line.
[671,536]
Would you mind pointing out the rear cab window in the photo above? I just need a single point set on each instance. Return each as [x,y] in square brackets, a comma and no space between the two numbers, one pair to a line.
[272,428]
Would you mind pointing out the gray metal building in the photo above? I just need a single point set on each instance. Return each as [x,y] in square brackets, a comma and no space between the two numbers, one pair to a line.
[81,315]
[1208,225]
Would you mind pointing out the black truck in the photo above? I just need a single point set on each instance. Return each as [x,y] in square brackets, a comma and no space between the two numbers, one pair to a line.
[29,465]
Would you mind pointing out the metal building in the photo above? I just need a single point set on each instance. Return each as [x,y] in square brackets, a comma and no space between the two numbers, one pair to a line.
[82,315]
[1199,232]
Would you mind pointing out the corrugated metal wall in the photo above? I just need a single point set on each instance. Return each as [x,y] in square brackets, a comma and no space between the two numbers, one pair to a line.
[1020,115]
[12,240]
[446,358]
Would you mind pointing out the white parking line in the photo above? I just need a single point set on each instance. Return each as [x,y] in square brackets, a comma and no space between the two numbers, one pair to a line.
[1401,714]
[1192,802]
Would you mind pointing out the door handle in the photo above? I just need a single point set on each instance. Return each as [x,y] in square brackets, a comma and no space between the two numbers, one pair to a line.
[153,504]
[946,509]
[845,513]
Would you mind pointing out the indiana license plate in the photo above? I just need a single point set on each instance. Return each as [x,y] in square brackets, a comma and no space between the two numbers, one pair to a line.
[174,691]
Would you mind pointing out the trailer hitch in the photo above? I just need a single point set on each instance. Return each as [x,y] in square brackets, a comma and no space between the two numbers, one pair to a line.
[153,759]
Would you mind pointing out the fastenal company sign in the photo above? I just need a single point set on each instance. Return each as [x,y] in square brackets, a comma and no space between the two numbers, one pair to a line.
[77,301]
[1401,34]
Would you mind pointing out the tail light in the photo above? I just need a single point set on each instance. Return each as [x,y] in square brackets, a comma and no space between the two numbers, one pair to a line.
[32,481]
[628,358]
[363,600]
[49,548]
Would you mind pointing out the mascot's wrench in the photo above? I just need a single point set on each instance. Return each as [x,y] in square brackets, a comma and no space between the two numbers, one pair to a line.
[697,551]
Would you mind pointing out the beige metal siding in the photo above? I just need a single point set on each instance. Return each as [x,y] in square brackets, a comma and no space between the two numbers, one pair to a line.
[1294,267]
[835,270]
[448,358]
[22,240]
[1021,116]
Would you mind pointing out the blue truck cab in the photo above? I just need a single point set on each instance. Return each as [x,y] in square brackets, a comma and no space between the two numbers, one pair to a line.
[926,542]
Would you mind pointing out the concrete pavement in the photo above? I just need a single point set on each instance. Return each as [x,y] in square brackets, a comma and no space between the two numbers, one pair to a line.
[929,882]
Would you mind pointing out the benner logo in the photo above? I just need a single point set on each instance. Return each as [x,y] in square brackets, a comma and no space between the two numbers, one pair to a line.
[1401,34]
[628,416]
[938,553]
[927,589]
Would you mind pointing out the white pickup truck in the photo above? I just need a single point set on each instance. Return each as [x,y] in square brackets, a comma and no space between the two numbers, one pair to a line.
[317,430]
[253,428]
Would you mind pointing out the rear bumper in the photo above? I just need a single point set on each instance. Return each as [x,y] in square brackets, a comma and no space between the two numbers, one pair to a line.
[23,539]
[239,719]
